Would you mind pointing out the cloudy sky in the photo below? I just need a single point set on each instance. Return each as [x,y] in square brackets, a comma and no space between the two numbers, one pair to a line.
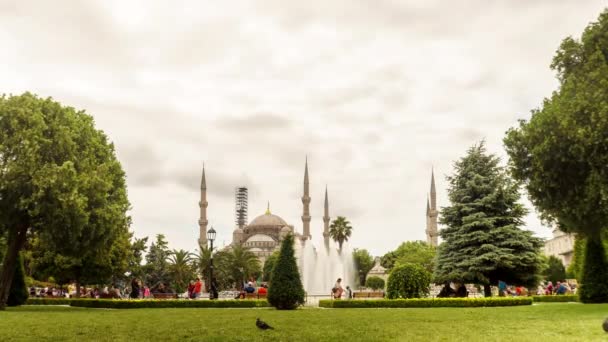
[376,93]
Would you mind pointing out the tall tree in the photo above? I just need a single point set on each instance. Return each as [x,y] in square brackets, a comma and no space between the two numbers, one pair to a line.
[482,239]
[243,264]
[157,267]
[202,263]
[181,269]
[59,177]
[286,291]
[340,230]
[363,263]
[137,249]
[561,153]
[555,270]
[269,265]
[414,252]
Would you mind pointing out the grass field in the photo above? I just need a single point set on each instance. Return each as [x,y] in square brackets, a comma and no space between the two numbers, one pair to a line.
[539,322]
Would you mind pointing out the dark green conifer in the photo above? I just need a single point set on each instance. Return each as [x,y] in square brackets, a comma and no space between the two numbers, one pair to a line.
[286,291]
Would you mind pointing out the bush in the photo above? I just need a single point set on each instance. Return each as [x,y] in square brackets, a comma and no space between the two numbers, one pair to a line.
[594,287]
[48,301]
[560,298]
[18,293]
[408,281]
[145,303]
[375,283]
[427,302]
[286,291]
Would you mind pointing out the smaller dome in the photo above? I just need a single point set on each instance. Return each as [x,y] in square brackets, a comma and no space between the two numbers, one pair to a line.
[238,231]
[286,229]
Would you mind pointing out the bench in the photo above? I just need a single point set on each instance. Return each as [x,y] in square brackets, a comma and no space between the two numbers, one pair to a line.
[368,295]
[255,296]
[164,295]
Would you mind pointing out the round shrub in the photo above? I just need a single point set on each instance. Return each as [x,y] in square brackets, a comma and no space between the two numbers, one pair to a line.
[18,293]
[408,281]
[375,283]
[286,291]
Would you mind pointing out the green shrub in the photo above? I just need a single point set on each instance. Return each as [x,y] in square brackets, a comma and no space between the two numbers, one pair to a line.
[560,298]
[408,281]
[48,301]
[594,287]
[375,283]
[286,291]
[18,293]
[146,303]
[427,302]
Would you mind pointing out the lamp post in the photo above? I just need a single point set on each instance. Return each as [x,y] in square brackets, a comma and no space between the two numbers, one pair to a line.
[211,237]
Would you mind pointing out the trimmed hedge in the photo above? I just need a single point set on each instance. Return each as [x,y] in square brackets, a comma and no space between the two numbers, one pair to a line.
[137,304]
[426,302]
[48,301]
[556,299]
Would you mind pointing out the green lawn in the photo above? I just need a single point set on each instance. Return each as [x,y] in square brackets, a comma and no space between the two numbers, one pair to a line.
[539,322]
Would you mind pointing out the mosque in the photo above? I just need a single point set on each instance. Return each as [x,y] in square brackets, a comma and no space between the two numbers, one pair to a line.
[263,235]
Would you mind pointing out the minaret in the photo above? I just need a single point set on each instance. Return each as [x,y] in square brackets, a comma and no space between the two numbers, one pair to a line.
[432,233]
[202,222]
[428,221]
[326,220]
[306,203]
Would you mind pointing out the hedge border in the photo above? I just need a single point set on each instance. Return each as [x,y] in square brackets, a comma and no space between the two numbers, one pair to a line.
[556,298]
[148,303]
[426,302]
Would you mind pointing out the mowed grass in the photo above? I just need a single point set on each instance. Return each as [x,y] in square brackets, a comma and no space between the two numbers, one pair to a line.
[540,322]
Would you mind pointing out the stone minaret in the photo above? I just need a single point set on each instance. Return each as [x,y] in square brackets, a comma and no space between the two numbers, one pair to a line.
[431,215]
[306,203]
[326,220]
[202,222]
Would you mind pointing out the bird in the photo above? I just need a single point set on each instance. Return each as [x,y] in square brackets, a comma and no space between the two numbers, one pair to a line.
[605,325]
[262,325]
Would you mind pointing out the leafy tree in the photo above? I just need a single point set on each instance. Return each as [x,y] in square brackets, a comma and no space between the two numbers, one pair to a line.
[18,293]
[181,269]
[363,263]
[60,179]
[269,265]
[555,270]
[340,230]
[482,239]
[286,291]
[202,264]
[137,249]
[243,264]
[157,267]
[375,283]
[561,152]
[415,252]
[408,281]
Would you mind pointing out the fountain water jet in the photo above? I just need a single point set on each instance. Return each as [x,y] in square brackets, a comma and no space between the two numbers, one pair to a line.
[321,267]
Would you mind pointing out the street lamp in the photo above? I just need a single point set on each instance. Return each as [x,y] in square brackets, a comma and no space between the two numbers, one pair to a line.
[210,238]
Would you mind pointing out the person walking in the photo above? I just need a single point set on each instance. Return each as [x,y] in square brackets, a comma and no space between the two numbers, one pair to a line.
[337,290]
[198,285]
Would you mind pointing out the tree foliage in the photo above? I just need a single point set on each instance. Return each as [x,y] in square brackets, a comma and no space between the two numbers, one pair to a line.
[408,281]
[181,269]
[375,283]
[340,230]
[561,153]
[269,265]
[157,265]
[60,179]
[482,239]
[286,291]
[415,252]
[364,262]
[555,270]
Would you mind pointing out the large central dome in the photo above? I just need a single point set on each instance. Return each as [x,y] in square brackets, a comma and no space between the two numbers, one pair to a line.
[267,220]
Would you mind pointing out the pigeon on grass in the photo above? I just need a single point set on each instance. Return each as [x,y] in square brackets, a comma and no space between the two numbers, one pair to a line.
[262,325]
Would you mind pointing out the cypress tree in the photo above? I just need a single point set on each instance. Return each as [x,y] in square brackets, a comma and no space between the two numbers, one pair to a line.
[482,239]
[286,291]
[18,293]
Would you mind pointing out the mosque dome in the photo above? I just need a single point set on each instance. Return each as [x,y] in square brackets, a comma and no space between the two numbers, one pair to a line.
[268,220]
[286,230]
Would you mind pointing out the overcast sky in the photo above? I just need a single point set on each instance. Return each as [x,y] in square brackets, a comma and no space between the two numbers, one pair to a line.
[374,92]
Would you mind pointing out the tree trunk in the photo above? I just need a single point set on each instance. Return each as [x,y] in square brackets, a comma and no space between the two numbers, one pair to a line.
[487,290]
[16,242]
[77,290]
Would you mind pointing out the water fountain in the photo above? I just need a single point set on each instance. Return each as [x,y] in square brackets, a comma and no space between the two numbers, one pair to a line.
[320,267]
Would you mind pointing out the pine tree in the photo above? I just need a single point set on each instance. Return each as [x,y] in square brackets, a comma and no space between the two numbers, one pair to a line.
[482,239]
[18,293]
[285,291]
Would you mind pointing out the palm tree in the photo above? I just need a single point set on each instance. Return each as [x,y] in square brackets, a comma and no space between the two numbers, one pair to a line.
[243,264]
[340,230]
[181,268]
[202,262]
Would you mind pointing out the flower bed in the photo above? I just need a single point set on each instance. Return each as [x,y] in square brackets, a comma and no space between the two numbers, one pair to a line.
[426,302]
